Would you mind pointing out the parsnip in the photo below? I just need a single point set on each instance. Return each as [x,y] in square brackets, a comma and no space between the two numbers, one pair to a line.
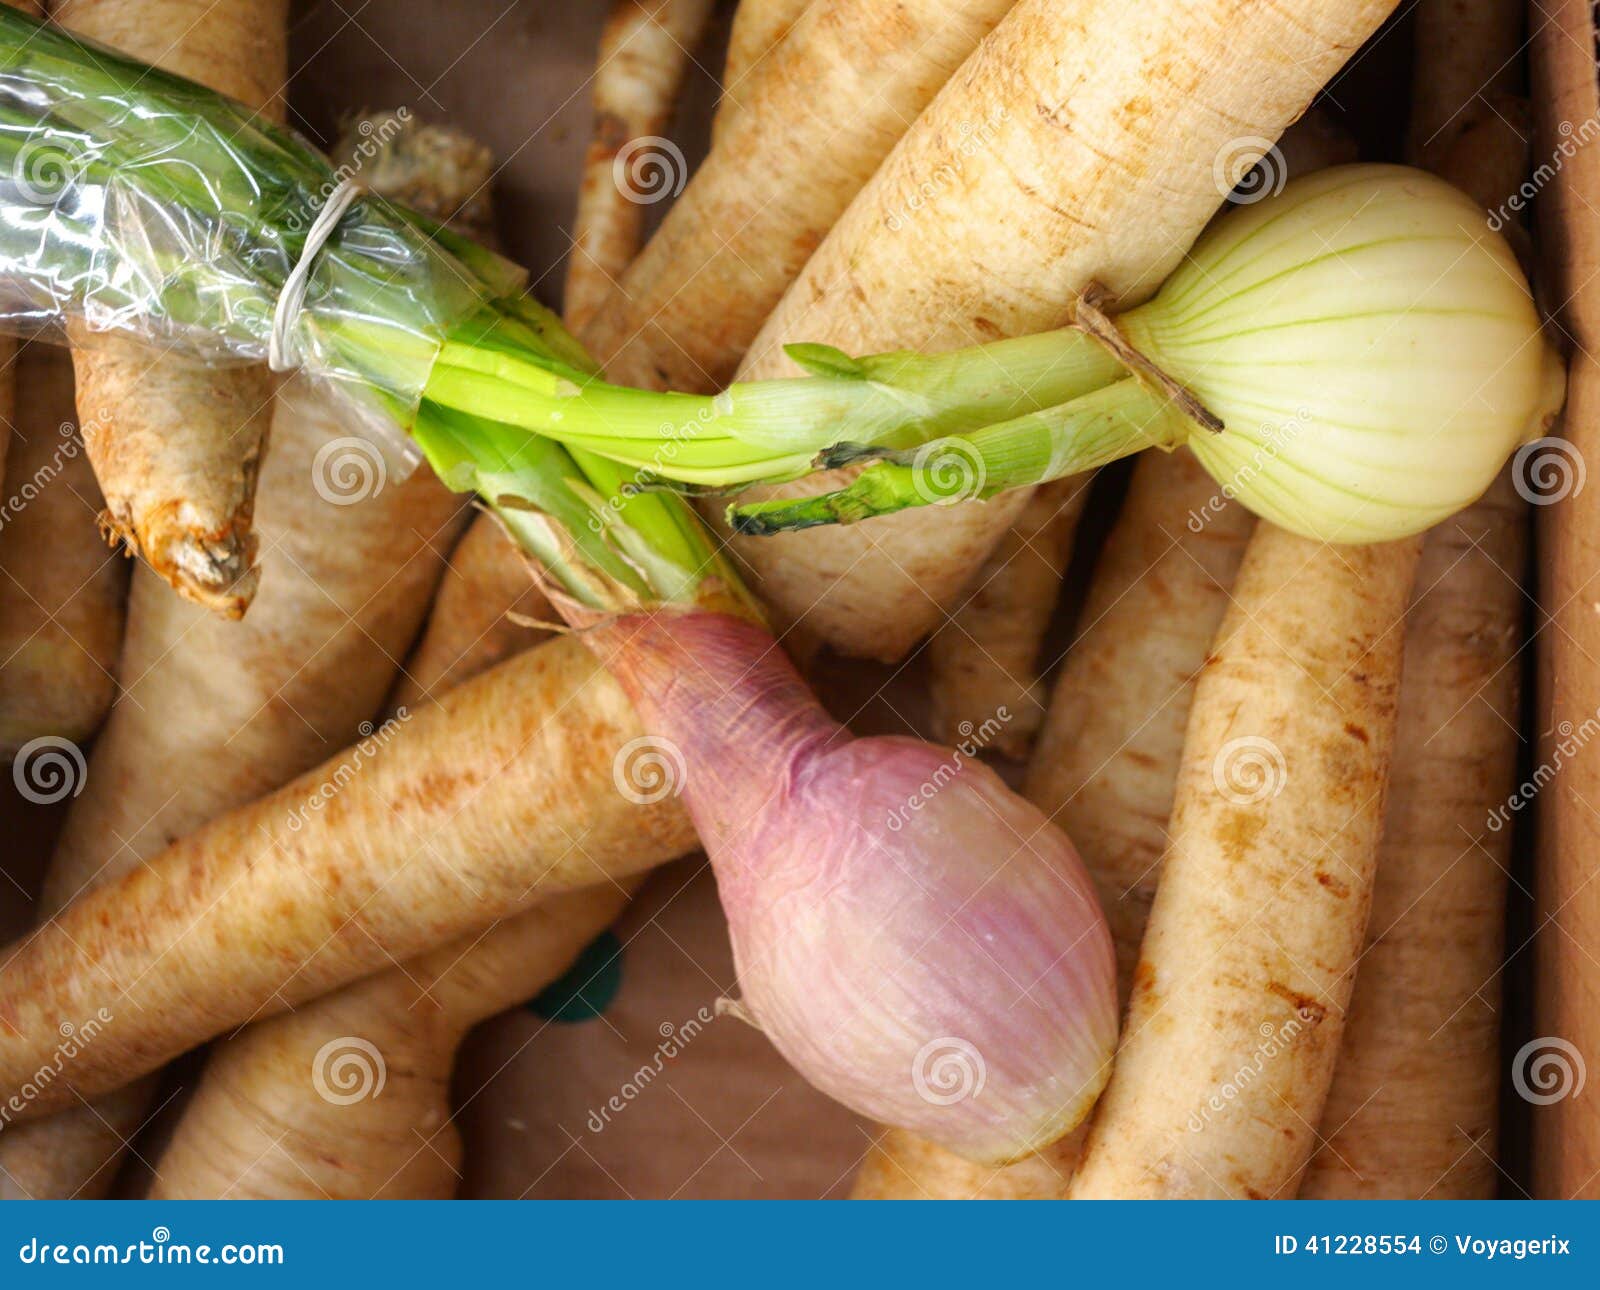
[1240,992]
[759,27]
[61,592]
[902,1166]
[1107,762]
[501,793]
[983,664]
[176,444]
[1413,1112]
[824,111]
[1414,1108]
[348,1097]
[645,50]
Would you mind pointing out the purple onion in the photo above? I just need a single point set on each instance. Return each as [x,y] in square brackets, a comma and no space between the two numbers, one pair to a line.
[921,943]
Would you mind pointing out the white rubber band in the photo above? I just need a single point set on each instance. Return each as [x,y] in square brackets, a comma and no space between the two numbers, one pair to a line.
[293,296]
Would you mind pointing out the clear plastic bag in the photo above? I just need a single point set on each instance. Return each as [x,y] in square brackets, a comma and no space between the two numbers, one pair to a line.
[135,202]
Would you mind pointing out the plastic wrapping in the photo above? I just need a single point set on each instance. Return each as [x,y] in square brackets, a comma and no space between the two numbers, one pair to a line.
[132,201]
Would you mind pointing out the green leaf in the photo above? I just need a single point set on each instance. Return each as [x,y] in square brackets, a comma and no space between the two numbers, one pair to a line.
[825,360]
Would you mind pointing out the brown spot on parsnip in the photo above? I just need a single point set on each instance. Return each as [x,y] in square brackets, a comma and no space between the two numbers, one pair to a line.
[1237,833]
[1304,1005]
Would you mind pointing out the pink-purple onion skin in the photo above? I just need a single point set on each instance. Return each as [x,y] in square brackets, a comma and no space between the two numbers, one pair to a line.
[918,941]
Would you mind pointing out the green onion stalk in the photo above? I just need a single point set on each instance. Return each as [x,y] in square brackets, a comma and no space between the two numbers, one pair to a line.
[1354,359]
[919,941]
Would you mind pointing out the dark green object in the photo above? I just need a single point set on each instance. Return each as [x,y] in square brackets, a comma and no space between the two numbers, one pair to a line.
[587,988]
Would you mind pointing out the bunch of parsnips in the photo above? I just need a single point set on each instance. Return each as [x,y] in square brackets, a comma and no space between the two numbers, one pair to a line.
[1297,353]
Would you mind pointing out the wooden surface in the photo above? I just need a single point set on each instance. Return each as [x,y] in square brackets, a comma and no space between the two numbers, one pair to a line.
[1566,1129]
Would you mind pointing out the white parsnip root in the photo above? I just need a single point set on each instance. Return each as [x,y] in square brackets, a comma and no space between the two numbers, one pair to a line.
[177,444]
[1414,1108]
[1240,992]
[61,591]
[1107,762]
[645,50]
[477,807]
[901,1166]
[822,113]
[983,664]
[260,1125]
[759,27]
[1413,1112]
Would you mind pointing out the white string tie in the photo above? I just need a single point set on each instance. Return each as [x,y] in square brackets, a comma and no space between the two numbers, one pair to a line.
[292,299]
